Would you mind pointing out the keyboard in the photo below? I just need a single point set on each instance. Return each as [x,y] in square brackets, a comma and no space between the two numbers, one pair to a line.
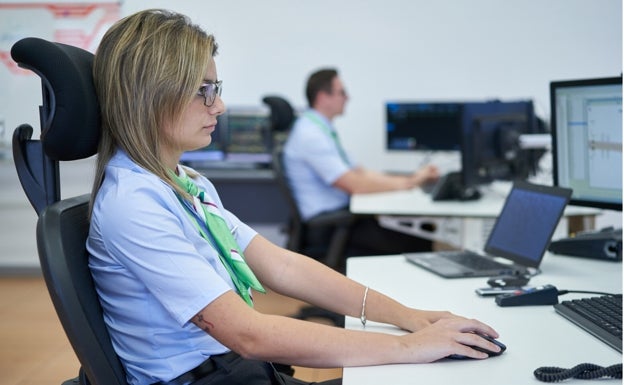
[472,259]
[600,316]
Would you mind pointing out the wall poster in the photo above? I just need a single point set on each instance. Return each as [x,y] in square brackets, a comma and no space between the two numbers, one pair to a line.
[76,23]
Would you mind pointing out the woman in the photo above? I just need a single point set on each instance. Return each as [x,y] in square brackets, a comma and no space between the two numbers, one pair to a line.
[175,271]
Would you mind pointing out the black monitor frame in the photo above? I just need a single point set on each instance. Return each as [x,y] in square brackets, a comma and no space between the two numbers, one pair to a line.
[557,130]
[490,142]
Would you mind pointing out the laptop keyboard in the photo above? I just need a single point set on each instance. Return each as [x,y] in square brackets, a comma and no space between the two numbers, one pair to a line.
[472,259]
[600,316]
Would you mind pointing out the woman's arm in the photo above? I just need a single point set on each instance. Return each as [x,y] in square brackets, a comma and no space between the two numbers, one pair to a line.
[287,340]
[306,279]
[281,339]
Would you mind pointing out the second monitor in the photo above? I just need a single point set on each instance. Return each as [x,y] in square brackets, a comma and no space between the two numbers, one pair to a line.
[490,142]
[486,133]
[428,126]
[243,139]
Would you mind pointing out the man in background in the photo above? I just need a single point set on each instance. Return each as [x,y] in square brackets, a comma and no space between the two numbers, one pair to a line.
[323,176]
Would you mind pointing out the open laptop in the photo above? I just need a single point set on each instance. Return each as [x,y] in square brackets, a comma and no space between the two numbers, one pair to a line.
[517,241]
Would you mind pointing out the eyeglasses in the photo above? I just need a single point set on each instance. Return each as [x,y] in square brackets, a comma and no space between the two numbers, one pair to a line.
[209,91]
[342,92]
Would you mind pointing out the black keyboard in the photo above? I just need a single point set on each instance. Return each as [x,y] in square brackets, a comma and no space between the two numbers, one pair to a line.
[600,316]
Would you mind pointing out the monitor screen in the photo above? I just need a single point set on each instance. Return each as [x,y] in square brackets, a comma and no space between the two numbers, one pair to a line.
[423,126]
[249,137]
[586,127]
[490,141]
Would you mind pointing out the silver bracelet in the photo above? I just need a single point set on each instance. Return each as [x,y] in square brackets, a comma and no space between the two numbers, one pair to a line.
[363,315]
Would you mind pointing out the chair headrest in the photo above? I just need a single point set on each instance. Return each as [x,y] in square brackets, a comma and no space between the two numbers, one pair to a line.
[282,113]
[71,128]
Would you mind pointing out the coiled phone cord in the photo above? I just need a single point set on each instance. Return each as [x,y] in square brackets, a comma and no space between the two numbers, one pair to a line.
[582,371]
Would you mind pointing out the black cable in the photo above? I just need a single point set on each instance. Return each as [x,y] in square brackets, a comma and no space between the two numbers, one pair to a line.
[582,372]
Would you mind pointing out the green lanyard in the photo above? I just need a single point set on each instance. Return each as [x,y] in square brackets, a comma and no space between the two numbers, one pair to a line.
[331,133]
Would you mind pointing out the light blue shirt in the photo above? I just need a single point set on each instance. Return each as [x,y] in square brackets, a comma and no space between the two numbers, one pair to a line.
[153,272]
[313,162]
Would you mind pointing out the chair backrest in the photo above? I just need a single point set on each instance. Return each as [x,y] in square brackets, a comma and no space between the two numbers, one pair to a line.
[69,116]
[282,113]
[62,231]
[296,225]
[339,222]
[70,130]
[282,118]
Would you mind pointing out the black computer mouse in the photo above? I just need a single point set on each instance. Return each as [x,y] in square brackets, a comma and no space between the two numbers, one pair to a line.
[508,281]
[502,346]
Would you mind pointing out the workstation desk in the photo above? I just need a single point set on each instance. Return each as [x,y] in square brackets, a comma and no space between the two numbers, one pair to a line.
[461,224]
[535,336]
[251,193]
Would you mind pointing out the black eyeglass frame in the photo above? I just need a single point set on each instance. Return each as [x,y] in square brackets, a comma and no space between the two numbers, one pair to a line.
[209,91]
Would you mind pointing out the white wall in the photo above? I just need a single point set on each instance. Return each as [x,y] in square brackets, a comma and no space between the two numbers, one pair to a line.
[405,49]
[385,50]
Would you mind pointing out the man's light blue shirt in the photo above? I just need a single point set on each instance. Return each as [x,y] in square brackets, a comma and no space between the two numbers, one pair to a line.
[313,162]
[153,272]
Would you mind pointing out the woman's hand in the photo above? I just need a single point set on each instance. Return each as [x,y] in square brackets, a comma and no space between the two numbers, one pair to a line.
[454,335]
[415,319]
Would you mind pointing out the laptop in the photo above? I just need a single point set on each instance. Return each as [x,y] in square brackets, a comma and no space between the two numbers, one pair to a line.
[517,242]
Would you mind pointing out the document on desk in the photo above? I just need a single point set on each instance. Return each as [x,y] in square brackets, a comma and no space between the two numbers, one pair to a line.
[517,241]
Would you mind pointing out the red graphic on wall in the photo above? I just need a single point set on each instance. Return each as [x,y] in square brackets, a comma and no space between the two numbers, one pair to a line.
[78,24]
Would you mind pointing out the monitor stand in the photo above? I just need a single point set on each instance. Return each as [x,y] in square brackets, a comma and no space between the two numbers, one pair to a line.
[451,187]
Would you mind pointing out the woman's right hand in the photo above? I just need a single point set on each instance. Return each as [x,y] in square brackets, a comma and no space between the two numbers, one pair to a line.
[448,336]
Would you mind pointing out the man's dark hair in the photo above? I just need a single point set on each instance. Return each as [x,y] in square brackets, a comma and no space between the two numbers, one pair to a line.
[320,80]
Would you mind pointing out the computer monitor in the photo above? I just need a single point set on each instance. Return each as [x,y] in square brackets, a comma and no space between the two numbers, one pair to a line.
[491,142]
[432,126]
[249,137]
[586,127]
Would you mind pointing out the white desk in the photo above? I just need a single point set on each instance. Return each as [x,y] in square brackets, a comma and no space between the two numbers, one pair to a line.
[464,224]
[535,335]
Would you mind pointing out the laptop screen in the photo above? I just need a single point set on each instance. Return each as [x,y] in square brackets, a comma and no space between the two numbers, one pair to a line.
[527,222]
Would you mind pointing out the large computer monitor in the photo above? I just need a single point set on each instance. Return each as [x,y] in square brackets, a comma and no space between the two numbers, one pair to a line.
[586,126]
[429,126]
[242,139]
[249,137]
[491,142]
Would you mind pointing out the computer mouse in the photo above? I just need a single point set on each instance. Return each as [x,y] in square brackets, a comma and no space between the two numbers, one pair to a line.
[508,281]
[502,346]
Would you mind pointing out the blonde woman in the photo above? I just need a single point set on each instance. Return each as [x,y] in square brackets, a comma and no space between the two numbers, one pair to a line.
[176,272]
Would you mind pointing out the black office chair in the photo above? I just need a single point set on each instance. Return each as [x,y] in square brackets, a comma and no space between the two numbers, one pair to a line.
[339,222]
[70,130]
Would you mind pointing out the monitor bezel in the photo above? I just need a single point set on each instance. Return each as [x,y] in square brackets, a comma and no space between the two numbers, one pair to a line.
[586,82]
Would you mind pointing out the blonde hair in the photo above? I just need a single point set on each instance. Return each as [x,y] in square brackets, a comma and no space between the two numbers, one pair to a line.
[146,71]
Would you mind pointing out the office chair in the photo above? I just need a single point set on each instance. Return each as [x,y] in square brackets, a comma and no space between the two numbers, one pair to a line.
[70,130]
[339,222]
[282,118]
